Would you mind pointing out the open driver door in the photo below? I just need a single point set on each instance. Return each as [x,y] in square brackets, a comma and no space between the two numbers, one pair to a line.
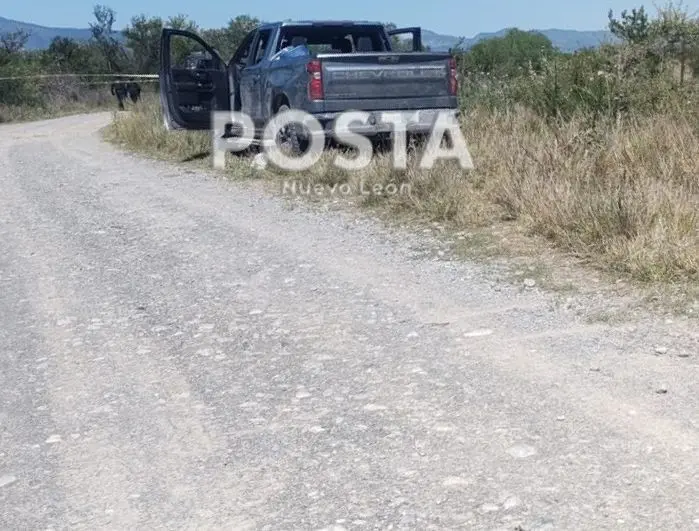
[194,81]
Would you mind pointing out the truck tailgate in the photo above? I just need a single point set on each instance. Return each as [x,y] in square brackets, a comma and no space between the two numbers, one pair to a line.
[381,76]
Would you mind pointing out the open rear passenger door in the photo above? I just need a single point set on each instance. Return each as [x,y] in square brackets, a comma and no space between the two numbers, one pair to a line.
[415,32]
[193,81]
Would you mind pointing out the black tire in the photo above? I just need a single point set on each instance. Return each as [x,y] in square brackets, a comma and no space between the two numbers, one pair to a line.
[297,142]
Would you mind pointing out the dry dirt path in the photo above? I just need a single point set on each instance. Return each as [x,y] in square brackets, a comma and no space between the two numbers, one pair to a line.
[181,352]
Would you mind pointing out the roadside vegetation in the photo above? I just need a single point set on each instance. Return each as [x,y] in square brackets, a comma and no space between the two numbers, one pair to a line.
[595,151]
[74,76]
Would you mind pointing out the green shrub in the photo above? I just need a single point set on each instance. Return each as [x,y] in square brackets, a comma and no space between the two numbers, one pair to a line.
[607,83]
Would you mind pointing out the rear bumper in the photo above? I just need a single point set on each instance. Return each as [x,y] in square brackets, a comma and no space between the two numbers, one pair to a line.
[380,122]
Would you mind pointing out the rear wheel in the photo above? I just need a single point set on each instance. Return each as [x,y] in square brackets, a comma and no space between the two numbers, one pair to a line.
[291,138]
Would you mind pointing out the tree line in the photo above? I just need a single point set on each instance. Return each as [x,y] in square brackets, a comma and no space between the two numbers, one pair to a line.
[648,57]
[672,35]
[134,49]
[649,65]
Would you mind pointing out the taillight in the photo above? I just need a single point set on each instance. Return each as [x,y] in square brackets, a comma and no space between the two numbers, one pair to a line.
[315,81]
[453,79]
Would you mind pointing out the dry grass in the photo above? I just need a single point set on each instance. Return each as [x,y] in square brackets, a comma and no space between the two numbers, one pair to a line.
[142,130]
[58,99]
[623,196]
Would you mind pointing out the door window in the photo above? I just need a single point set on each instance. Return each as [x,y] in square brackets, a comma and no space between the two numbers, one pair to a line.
[261,46]
[242,54]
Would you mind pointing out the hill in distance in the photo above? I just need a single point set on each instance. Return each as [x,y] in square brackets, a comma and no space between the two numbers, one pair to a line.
[566,40]
[40,36]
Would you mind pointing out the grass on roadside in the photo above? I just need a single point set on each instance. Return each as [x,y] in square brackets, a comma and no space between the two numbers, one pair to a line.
[58,101]
[143,130]
[623,196]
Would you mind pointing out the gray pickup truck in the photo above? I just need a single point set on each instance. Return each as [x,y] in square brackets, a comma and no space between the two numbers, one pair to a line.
[322,68]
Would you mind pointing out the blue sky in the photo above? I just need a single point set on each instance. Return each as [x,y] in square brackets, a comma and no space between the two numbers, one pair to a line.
[455,17]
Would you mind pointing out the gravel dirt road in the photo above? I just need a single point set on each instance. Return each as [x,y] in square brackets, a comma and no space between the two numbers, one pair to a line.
[182,352]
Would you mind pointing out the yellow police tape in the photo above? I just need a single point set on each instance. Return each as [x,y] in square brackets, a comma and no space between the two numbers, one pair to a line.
[50,76]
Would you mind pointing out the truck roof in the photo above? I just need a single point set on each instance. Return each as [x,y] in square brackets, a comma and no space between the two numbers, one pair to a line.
[325,23]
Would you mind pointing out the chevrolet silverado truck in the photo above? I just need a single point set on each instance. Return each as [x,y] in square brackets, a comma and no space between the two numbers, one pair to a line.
[322,68]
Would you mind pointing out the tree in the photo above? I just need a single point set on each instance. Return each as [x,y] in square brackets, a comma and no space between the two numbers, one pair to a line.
[676,35]
[104,36]
[181,47]
[71,56]
[15,61]
[182,22]
[13,41]
[515,53]
[238,28]
[143,39]
[65,53]
[226,40]
[633,28]
[64,49]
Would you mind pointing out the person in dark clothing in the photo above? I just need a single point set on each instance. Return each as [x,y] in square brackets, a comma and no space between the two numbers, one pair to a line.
[134,91]
[119,90]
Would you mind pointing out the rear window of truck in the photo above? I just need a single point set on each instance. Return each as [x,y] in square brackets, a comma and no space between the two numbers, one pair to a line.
[334,39]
